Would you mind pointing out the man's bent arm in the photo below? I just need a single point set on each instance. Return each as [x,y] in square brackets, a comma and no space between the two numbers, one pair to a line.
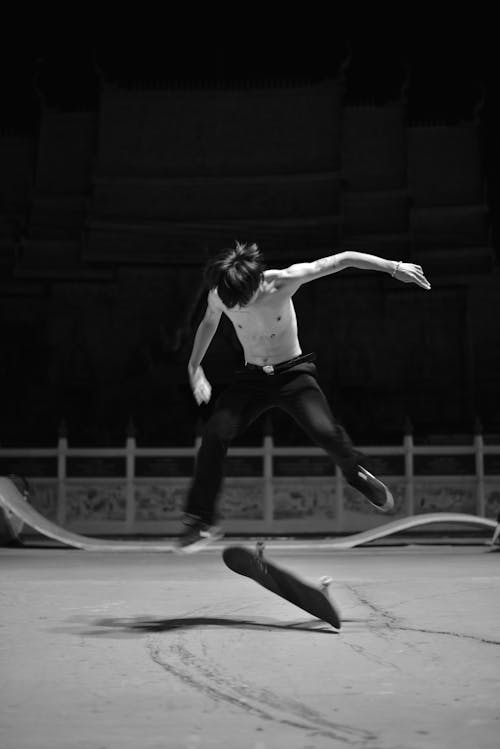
[305,272]
[202,340]
[205,332]
[364,261]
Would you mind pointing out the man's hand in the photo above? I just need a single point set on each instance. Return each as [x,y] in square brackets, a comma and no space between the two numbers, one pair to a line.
[409,273]
[202,390]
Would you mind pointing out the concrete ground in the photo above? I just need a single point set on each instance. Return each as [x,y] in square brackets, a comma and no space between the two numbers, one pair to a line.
[143,651]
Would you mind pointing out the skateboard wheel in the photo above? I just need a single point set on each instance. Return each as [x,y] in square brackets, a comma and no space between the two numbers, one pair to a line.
[325,583]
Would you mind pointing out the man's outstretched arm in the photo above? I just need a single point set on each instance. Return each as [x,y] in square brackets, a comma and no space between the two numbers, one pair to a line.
[405,272]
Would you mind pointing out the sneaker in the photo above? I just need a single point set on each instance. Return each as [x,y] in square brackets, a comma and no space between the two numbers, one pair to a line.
[197,535]
[377,493]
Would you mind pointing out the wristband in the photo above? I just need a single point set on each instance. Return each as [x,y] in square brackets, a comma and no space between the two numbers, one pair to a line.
[396,268]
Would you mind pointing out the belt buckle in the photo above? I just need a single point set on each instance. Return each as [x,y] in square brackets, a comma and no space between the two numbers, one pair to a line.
[268,369]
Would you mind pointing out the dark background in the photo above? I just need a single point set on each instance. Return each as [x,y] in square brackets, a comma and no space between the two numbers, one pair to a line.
[448,66]
[450,61]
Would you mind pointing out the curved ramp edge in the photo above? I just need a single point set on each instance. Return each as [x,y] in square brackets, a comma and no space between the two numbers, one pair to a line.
[14,503]
[404,524]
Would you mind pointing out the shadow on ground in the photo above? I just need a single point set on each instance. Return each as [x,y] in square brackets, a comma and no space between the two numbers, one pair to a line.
[140,625]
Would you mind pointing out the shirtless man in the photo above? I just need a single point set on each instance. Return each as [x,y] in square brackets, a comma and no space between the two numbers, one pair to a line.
[275,373]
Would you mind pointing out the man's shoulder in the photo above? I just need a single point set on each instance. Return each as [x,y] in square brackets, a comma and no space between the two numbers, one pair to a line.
[279,278]
[214,298]
[276,275]
[214,301]
[271,273]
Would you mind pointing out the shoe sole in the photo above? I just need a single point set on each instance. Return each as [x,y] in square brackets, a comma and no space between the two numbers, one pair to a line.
[198,545]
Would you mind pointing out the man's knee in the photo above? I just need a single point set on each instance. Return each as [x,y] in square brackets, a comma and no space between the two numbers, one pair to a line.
[328,435]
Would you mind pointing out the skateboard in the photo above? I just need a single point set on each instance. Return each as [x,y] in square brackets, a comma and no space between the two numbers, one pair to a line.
[253,564]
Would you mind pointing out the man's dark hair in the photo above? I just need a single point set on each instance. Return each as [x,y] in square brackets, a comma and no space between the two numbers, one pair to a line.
[236,273]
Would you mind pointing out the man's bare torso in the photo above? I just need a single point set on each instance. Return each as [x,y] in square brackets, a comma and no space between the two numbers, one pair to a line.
[267,326]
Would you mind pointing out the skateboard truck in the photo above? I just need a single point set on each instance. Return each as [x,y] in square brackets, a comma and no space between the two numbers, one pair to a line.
[259,550]
[324,584]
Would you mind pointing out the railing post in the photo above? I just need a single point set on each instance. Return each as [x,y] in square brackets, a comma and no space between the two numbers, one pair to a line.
[409,470]
[339,498]
[130,477]
[268,446]
[62,449]
[479,459]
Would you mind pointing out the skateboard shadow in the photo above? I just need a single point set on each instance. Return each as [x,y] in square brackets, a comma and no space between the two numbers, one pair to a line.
[116,626]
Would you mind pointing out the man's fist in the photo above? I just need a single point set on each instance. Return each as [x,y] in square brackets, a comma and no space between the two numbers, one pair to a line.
[202,390]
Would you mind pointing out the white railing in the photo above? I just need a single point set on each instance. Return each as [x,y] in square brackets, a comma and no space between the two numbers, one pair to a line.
[267,451]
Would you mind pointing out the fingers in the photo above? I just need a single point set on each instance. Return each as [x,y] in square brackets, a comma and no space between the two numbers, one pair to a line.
[202,390]
[202,393]
[417,275]
[423,281]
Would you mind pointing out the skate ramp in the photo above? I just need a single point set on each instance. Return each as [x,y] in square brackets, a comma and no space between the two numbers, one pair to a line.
[18,511]
[410,523]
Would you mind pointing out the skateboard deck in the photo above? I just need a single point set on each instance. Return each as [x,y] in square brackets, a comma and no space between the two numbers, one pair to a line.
[253,564]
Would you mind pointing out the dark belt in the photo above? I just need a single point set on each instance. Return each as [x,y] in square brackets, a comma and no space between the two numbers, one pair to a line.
[272,369]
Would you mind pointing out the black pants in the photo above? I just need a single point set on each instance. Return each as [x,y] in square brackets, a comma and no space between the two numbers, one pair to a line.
[297,392]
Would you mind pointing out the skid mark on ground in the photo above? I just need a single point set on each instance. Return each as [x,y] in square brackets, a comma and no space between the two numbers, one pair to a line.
[203,675]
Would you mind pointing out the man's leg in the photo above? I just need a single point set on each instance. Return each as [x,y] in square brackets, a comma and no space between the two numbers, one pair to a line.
[234,411]
[305,401]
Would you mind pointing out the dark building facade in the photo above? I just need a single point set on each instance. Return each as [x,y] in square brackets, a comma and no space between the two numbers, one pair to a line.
[108,215]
